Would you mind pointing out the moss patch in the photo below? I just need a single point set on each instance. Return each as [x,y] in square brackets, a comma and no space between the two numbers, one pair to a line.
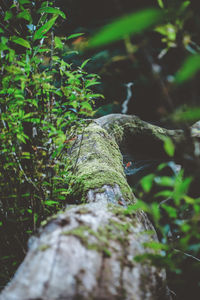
[98,162]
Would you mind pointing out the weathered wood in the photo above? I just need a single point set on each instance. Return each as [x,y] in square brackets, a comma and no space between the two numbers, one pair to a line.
[88,251]
[142,139]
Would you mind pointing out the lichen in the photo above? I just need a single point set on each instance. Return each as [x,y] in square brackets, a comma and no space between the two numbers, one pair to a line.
[99,240]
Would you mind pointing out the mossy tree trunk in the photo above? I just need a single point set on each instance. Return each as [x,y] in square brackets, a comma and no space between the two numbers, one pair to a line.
[88,251]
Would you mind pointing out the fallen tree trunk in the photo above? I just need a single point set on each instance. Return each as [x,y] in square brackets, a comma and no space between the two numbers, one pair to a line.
[88,251]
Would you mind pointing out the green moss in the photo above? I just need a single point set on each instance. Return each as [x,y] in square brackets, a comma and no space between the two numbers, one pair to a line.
[98,163]
[114,230]
[43,247]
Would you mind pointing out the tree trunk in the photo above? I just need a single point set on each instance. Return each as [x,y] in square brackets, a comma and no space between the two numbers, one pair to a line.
[89,251]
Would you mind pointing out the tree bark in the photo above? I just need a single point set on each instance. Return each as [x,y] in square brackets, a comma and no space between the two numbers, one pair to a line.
[89,251]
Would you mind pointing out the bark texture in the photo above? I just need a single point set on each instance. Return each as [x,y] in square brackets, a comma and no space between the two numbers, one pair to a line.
[89,250]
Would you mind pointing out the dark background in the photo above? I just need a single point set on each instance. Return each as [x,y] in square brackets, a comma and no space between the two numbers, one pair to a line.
[155,97]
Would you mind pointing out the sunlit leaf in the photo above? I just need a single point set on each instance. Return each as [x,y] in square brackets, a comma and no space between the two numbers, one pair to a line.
[172,212]
[52,10]
[130,24]
[165,181]
[155,210]
[184,5]
[45,28]
[147,182]
[189,68]
[58,43]
[160,3]
[8,15]
[181,188]
[190,114]
[156,245]
[74,35]
[25,15]
[21,42]
[24,1]
[169,146]
[84,63]
[50,202]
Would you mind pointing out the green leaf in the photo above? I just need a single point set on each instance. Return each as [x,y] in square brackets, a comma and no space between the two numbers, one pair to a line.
[25,15]
[74,35]
[155,211]
[189,68]
[21,41]
[8,15]
[139,205]
[165,193]
[172,212]
[52,10]
[165,181]
[181,187]
[130,24]
[84,63]
[86,105]
[169,146]
[147,182]
[184,5]
[44,29]
[156,245]
[24,1]
[50,202]
[190,114]
[168,30]
[58,43]
[160,3]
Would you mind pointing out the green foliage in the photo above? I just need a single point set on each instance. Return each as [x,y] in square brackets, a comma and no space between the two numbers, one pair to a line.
[131,24]
[186,114]
[169,146]
[43,101]
[175,216]
[189,68]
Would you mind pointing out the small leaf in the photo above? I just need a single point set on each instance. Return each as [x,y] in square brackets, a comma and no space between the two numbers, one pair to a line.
[24,1]
[190,114]
[50,202]
[189,68]
[165,181]
[160,3]
[147,182]
[155,245]
[184,5]
[130,24]
[75,35]
[155,211]
[44,29]
[169,146]
[86,105]
[52,10]
[25,15]
[20,41]
[84,63]
[8,15]
[172,212]
[58,43]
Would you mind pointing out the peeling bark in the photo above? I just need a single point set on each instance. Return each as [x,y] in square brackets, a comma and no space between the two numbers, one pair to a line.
[89,250]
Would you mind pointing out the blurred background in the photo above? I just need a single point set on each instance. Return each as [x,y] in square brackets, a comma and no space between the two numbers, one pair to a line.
[141,66]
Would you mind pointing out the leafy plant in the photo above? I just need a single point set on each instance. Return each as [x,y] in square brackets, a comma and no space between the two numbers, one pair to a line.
[175,215]
[43,99]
